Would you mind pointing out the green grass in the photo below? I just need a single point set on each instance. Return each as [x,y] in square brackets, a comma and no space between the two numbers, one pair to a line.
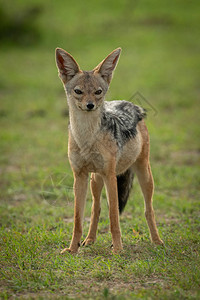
[160,60]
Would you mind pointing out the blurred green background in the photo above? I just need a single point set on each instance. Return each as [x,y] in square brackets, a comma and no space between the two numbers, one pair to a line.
[160,62]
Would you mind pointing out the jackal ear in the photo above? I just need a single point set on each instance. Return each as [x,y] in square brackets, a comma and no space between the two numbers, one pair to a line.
[67,66]
[107,66]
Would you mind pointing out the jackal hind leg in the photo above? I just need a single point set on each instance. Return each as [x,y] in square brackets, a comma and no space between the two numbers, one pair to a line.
[96,185]
[111,189]
[145,178]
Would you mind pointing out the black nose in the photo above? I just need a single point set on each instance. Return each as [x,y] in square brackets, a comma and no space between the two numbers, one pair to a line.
[90,106]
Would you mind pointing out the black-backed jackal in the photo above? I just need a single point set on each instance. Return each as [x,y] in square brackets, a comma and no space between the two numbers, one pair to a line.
[109,140]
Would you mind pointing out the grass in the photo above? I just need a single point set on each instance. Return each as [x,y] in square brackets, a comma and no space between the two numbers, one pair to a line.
[160,60]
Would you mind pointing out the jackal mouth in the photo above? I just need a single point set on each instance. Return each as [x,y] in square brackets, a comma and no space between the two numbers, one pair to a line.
[88,109]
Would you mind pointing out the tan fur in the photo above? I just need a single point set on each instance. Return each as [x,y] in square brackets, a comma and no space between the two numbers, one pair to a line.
[92,150]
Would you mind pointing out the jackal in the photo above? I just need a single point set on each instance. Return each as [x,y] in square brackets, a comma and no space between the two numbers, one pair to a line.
[107,139]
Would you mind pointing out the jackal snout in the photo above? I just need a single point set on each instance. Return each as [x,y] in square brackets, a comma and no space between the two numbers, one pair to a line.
[90,105]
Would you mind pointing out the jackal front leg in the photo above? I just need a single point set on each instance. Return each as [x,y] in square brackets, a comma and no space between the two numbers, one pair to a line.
[111,189]
[80,192]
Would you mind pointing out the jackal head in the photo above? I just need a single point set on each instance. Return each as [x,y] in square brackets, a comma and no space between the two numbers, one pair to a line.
[85,89]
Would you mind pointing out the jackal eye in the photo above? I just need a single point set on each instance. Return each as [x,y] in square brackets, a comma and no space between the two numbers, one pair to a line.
[98,92]
[78,92]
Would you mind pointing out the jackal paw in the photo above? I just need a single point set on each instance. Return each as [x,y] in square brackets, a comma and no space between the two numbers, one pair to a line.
[158,242]
[71,251]
[116,250]
[88,242]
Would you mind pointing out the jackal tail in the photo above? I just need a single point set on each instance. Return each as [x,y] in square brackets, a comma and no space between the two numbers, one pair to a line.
[124,185]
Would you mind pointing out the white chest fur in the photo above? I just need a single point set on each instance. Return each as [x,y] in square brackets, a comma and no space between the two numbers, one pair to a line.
[84,128]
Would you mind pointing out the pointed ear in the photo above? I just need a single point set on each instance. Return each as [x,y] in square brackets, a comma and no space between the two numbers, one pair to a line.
[67,66]
[107,66]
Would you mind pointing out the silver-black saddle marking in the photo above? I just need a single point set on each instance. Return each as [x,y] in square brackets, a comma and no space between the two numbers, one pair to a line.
[121,118]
